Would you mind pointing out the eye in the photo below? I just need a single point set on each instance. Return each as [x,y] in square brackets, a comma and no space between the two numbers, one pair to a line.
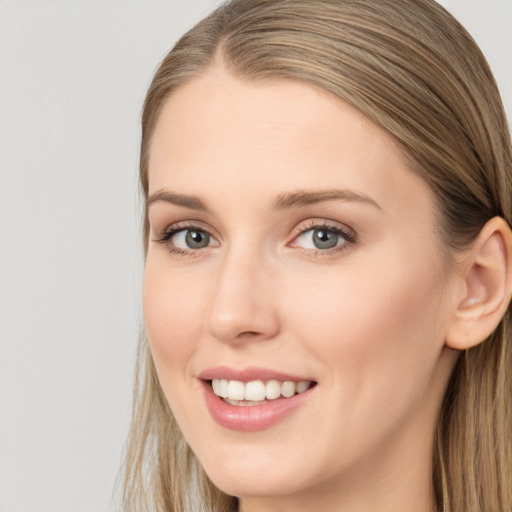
[186,240]
[318,239]
[190,239]
[323,238]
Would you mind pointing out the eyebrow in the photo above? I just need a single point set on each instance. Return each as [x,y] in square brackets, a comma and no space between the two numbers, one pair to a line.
[287,200]
[302,198]
[191,202]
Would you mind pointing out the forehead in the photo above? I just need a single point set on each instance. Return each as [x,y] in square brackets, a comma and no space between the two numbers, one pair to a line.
[218,131]
[263,112]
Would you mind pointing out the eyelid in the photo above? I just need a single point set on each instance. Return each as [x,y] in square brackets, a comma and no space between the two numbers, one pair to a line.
[335,227]
[165,235]
[319,223]
[346,232]
[183,225]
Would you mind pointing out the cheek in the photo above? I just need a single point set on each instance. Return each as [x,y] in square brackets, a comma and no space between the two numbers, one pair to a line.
[381,327]
[377,335]
[172,317]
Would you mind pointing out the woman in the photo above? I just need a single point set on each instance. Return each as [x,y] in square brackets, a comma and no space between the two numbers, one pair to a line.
[328,273]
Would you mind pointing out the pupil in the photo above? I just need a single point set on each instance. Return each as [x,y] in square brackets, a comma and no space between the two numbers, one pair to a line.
[324,239]
[197,239]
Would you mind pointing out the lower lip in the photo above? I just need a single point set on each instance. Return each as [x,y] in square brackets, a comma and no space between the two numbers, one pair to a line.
[251,418]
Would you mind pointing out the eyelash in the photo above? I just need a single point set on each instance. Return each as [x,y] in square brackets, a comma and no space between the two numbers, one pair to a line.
[166,236]
[348,235]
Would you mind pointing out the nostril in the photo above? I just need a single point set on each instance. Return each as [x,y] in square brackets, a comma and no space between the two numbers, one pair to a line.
[249,334]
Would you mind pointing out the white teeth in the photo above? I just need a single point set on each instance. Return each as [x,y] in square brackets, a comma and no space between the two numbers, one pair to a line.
[220,387]
[243,403]
[303,385]
[273,389]
[288,389]
[256,392]
[223,392]
[236,390]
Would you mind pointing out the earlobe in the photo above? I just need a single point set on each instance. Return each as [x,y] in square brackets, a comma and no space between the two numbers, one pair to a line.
[487,274]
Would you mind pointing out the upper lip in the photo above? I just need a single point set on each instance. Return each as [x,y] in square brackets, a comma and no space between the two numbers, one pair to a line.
[248,374]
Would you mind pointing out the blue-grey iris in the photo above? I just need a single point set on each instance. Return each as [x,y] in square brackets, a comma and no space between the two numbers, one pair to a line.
[197,239]
[324,239]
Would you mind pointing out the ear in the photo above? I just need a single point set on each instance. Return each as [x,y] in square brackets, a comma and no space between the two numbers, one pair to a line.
[486,271]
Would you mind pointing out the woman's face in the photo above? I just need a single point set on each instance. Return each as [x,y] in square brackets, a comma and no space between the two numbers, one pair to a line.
[290,242]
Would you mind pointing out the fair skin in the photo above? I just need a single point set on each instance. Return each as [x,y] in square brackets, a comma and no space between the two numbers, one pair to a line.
[266,268]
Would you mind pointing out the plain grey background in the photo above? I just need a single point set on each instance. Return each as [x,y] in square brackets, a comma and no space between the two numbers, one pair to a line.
[72,80]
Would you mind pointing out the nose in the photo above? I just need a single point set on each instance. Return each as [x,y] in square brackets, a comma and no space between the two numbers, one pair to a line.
[242,305]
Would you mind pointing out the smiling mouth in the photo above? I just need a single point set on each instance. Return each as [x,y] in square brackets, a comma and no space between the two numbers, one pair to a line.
[257,392]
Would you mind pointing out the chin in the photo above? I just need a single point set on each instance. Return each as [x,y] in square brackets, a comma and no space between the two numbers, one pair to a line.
[253,476]
[254,484]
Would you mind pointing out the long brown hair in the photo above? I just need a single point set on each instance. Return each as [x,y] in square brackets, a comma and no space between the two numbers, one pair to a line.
[413,70]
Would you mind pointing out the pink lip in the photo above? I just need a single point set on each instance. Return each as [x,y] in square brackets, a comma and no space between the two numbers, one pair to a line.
[247,374]
[250,418]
